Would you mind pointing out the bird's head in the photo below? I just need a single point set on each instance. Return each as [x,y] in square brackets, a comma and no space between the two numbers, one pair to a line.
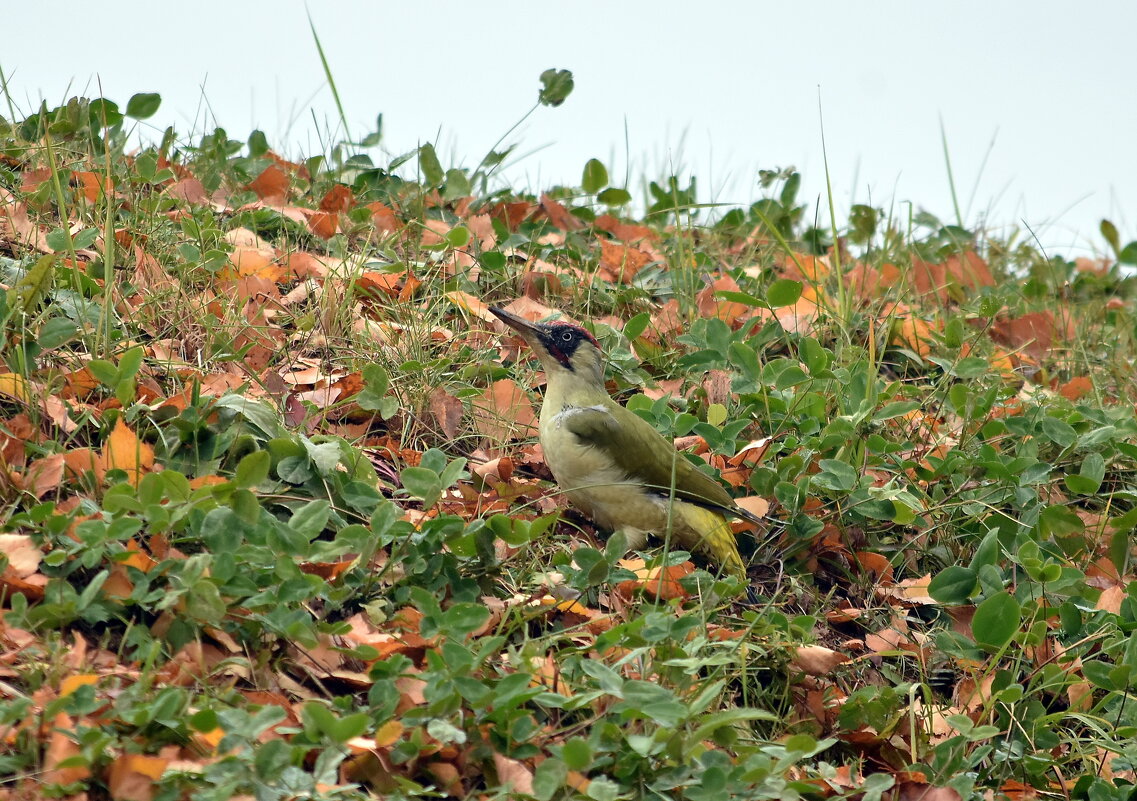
[563,348]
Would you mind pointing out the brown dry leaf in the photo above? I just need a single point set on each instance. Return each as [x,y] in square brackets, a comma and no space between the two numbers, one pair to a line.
[911,591]
[558,215]
[805,268]
[817,660]
[876,564]
[271,185]
[1033,333]
[620,263]
[132,777]
[726,310]
[61,746]
[16,226]
[324,224]
[889,639]
[383,218]
[921,791]
[1076,388]
[22,554]
[250,263]
[380,284]
[44,475]
[447,778]
[864,281]
[123,450]
[434,232]
[91,185]
[189,190]
[755,504]
[471,305]
[337,199]
[969,272]
[661,583]
[504,411]
[447,411]
[513,775]
[1110,599]
[625,232]
[800,317]
[907,330]
[930,278]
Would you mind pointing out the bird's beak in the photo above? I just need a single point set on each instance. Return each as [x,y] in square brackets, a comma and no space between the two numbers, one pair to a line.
[530,332]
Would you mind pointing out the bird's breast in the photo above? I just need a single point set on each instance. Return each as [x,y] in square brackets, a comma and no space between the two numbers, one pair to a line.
[590,478]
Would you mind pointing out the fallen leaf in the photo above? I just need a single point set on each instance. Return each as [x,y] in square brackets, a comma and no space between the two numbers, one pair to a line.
[133,777]
[447,411]
[123,450]
[504,411]
[22,554]
[817,660]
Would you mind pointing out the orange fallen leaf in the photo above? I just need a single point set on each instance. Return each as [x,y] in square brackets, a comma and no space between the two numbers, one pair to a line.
[123,450]
[132,777]
[271,184]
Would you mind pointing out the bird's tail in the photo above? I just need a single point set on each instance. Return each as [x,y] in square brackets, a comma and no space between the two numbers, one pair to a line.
[717,543]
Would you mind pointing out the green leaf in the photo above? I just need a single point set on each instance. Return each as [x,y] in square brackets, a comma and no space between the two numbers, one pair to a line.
[85,238]
[595,176]
[577,753]
[458,236]
[549,778]
[56,332]
[1060,521]
[1088,481]
[637,325]
[31,290]
[1099,673]
[614,196]
[1128,254]
[130,362]
[894,409]
[744,298]
[954,585]
[252,470]
[996,620]
[422,484]
[143,105]
[783,292]
[971,367]
[310,518]
[372,397]
[988,551]
[1109,231]
[556,85]
[429,164]
[836,475]
[1059,432]
[729,717]
[106,373]
[457,184]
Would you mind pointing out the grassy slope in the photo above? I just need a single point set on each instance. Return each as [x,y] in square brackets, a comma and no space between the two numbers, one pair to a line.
[276,524]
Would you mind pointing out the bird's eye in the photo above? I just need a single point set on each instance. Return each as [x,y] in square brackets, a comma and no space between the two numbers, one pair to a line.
[566,336]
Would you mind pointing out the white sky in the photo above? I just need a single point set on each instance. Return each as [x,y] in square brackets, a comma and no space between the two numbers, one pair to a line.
[1038,99]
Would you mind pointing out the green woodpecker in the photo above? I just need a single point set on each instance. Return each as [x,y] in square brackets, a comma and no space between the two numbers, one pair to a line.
[612,464]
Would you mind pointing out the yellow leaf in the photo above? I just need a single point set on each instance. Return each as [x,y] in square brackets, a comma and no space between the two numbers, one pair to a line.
[14,386]
[73,683]
[123,450]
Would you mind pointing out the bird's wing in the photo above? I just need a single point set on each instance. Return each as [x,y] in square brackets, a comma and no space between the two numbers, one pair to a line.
[639,450]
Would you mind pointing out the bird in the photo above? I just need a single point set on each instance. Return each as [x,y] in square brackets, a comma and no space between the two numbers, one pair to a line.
[612,464]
